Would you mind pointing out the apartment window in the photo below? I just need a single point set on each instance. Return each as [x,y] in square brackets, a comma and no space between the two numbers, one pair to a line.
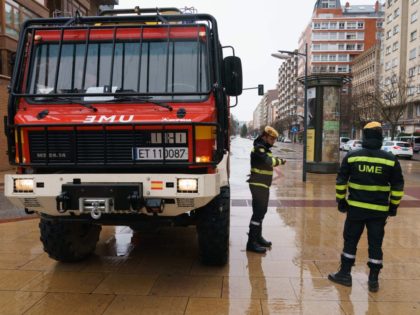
[396,12]
[360,25]
[342,58]
[395,46]
[342,68]
[389,3]
[418,109]
[359,47]
[350,47]
[323,69]
[388,34]
[341,25]
[331,69]
[351,25]
[396,29]
[328,4]
[332,57]
[388,50]
[317,26]
[411,90]
[379,24]
[351,36]
[414,17]
[411,72]
[324,25]
[15,15]
[389,18]
[333,25]
[413,35]
[414,1]
[341,47]
[316,57]
[387,65]
[412,54]
[324,57]
[394,62]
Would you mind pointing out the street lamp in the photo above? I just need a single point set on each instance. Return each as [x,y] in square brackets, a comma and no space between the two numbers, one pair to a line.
[285,54]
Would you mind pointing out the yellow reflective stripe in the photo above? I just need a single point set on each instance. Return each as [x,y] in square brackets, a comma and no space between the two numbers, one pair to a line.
[259,184]
[366,205]
[371,160]
[339,196]
[396,193]
[369,187]
[274,161]
[269,154]
[341,187]
[263,172]
[395,202]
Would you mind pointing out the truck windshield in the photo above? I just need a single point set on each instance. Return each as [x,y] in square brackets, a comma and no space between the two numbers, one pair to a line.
[156,68]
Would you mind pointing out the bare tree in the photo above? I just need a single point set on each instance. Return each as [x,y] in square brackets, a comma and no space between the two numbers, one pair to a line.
[387,103]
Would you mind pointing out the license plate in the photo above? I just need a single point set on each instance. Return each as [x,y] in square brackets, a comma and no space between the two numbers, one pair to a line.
[405,149]
[157,153]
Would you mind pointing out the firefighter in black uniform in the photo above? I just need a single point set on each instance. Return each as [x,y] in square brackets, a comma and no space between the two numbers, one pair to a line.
[262,163]
[375,183]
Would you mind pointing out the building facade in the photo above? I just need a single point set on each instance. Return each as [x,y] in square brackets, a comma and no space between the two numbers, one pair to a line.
[401,56]
[335,36]
[289,116]
[366,69]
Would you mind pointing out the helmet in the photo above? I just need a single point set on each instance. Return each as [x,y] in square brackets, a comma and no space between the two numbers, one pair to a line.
[271,132]
[373,130]
[373,124]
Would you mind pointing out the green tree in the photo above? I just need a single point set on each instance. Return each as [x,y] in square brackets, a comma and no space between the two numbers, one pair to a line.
[244,131]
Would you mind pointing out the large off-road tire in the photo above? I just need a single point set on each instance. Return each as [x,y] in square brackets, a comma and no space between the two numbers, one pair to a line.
[68,241]
[213,230]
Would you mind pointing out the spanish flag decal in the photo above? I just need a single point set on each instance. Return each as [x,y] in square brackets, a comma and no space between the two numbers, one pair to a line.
[157,185]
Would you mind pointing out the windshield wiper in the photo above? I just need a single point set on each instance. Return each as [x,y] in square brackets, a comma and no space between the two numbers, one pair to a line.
[143,99]
[68,99]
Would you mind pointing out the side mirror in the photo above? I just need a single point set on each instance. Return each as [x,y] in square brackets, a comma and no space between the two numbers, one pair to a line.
[232,75]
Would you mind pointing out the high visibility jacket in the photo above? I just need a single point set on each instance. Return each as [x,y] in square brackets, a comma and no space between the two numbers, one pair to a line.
[373,179]
[262,163]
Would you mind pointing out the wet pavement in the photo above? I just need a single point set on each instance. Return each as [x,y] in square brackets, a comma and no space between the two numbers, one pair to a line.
[159,273]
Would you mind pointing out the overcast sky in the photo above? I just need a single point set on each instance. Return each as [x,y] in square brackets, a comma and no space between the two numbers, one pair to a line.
[256,29]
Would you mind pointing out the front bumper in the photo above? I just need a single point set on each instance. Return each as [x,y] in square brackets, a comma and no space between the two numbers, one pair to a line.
[47,189]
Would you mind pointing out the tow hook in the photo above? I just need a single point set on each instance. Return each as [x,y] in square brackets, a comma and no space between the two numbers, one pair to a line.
[96,206]
[95,213]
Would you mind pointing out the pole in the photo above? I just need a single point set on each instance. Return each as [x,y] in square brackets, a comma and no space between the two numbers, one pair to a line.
[305,115]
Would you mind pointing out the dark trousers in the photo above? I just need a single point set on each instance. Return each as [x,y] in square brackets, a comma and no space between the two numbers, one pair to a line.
[353,229]
[260,196]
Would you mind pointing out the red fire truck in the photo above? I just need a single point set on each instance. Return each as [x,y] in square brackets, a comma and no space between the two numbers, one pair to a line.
[122,120]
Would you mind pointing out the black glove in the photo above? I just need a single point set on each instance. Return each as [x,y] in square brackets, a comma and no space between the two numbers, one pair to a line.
[281,161]
[392,212]
[343,206]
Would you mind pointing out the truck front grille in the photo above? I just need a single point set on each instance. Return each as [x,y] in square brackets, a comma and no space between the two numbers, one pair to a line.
[96,147]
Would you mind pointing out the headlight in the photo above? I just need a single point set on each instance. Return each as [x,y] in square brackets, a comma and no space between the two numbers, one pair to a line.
[23,185]
[187,185]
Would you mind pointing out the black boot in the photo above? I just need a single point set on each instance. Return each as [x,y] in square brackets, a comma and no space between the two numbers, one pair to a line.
[373,282]
[343,276]
[253,245]
[262,241]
